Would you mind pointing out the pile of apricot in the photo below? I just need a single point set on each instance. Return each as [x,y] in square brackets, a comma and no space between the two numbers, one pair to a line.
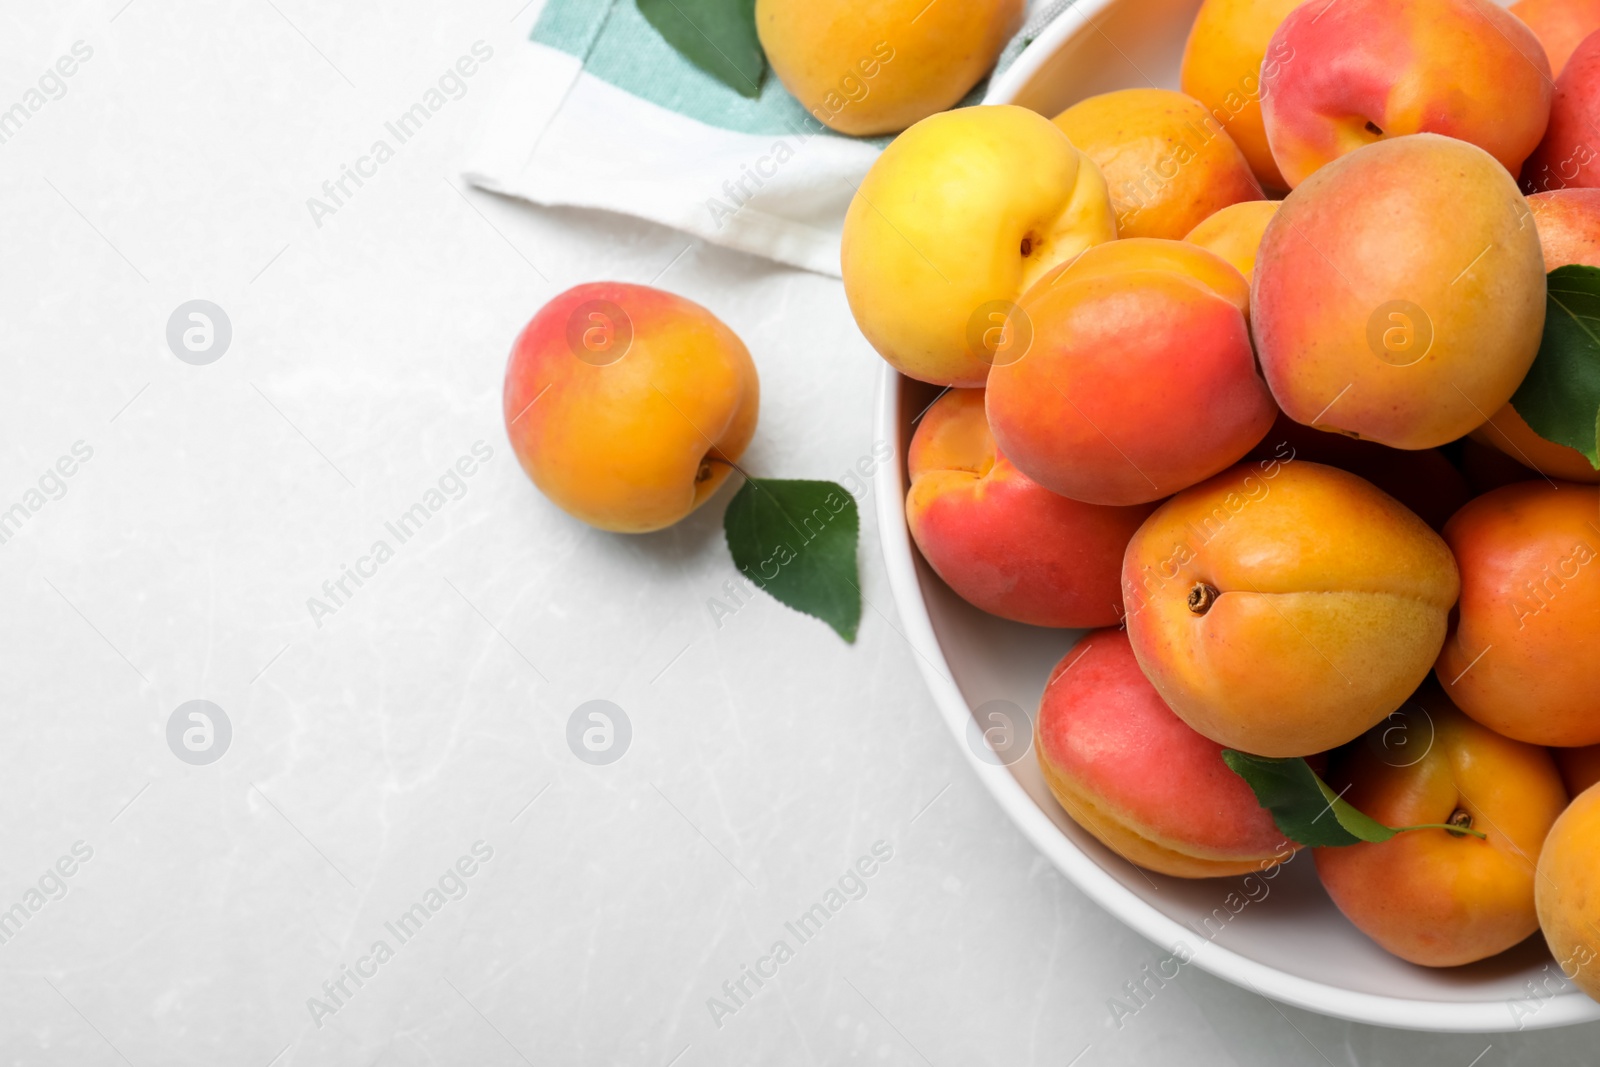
[1228,380]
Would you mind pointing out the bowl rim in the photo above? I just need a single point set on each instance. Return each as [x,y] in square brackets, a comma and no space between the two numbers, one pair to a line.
[1004,87]
[899,556]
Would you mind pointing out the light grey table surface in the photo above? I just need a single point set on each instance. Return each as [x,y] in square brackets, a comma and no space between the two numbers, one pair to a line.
[376,747]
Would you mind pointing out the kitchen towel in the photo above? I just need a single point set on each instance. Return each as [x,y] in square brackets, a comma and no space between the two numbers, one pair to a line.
[600,112]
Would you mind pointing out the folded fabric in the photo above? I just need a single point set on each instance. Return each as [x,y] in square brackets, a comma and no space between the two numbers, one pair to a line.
[600,112]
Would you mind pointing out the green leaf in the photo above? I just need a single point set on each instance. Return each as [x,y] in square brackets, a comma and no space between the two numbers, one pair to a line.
[1353,821]
[797,541]
[1308,811]
[1298,800]
[718,36]
[1560,397]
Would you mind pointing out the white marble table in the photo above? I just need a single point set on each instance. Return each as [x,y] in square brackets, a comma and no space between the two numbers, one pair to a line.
[413,738]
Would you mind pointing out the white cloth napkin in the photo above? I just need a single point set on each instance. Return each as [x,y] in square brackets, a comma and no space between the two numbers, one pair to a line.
[560,135]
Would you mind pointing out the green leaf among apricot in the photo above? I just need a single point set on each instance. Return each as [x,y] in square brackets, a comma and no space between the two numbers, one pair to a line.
[1560,397]
[1301,803]
[797,541]
[718,36]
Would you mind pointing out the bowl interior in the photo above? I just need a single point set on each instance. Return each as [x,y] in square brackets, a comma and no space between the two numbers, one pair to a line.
[1281,936]
[1095,46]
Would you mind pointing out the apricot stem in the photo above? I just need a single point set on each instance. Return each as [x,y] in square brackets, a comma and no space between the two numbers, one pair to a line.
[705,467]
[1460,825]
[1201,597]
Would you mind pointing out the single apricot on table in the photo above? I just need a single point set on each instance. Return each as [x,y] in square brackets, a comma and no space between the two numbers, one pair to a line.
[1438,897]
[1282,608]
[1519,655]
[627,405]
[1128,771]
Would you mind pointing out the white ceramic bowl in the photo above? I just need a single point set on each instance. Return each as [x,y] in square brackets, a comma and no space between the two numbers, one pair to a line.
[1285,940]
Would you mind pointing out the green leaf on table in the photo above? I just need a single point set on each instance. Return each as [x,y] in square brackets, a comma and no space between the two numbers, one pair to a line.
[1560,397]
[797,541]
[718,36]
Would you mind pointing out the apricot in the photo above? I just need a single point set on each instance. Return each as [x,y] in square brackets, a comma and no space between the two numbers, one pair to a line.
[1515,658]
[1431,896]
[1234,233]
[1139,379]
[1282,608]
[875,68]
[1560,25]
[1167,163]
[1511,434]
[1128,771]
[953,222]
[1361,71]
[1424,480]
[1399,294]
[1003,542]
[1580,767]
[1223,62]
[1566,156]
[627,405]
[1568,222]
[1566,895]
